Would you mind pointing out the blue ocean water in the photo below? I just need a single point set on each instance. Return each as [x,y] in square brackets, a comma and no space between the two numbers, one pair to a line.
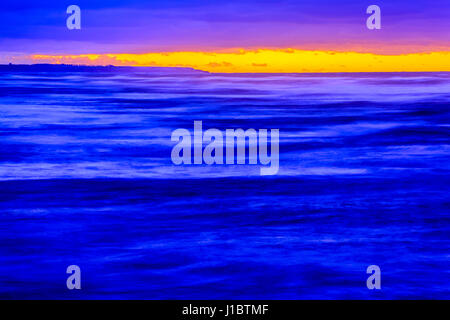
[86,178]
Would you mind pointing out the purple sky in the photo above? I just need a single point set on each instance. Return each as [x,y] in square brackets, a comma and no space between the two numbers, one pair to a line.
[117,26]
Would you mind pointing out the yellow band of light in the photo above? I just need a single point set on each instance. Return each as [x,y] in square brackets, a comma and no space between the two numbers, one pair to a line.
[268,61]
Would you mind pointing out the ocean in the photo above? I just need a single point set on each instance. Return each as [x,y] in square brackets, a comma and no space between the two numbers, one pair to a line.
[86,178]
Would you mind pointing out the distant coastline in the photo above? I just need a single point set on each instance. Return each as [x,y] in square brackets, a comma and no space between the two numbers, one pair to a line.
[47,67]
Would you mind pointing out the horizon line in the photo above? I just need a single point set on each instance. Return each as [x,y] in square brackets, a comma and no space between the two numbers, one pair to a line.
[286,60]
[203,71]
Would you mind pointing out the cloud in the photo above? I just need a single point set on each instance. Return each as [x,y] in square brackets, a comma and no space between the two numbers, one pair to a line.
[141,26]
[268,60]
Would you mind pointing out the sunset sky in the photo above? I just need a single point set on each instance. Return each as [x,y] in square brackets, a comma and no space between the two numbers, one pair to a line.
[231,36]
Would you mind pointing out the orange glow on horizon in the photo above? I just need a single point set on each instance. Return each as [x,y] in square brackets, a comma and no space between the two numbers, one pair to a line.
[267,61]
